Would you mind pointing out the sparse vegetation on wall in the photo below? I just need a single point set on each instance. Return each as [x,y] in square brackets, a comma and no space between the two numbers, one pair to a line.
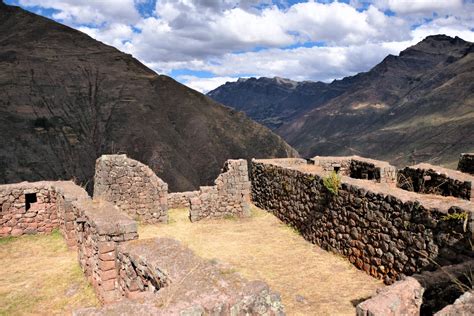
[332,182]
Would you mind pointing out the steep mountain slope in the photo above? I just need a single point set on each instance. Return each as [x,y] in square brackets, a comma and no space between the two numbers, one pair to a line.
[418,106]
[65,99]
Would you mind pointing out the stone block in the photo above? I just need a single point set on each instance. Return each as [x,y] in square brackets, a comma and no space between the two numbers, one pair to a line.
[105,247]
[106,265]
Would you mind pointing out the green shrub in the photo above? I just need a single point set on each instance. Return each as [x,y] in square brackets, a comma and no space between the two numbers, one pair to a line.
[332,182]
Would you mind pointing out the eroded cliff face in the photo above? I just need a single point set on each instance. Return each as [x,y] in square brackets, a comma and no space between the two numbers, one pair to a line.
[66,98]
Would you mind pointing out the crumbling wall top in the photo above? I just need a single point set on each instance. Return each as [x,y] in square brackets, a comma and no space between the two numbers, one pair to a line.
[106,217]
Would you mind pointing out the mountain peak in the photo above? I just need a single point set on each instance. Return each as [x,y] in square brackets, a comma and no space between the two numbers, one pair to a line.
[439,44]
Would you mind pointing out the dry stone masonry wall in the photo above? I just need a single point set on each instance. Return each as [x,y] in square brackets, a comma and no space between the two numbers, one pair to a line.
[358,168]
[100,228]
[159,277]
[27,208]
[426,178]
[383,230]
[133,187]
[466,163]
[228,197]
[68,192]
[39,207]
[181,199]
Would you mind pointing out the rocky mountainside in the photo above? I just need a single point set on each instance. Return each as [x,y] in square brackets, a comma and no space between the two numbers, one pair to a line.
[418,106]
[275,101]
[66,98]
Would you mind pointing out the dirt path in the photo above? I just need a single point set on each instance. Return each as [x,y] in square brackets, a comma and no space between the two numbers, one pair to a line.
[310,280]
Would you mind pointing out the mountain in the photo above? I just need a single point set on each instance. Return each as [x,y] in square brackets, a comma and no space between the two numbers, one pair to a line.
[418,106]
[274,101]
[66,98]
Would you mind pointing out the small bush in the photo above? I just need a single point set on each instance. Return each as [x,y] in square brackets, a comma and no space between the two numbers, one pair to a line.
[332,182]
[463,217]
[455,216]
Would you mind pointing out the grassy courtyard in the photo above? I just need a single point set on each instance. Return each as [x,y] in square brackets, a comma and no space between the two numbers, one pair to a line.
[310,280]
[40,276]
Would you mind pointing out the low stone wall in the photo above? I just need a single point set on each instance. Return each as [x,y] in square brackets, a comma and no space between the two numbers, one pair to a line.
[358,168]
[100,228]
[466,163]
[68,192]
[426,293]
[93,227]
[228,197]
[27,208]
[132,186]
[426,178]
[181,199]
[170,280]
[383,230]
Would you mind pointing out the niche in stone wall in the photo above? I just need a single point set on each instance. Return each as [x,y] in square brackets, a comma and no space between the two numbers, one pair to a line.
[30,198]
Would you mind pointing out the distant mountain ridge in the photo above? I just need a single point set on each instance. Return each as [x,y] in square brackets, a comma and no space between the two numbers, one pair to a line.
[274,101]
[418,106]
[66,99]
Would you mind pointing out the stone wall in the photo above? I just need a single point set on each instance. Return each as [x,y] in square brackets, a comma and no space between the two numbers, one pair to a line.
[100,228]
[228,197]
[93,227]
[169,279]
[132,186]
[383,230]
[466,163]
[358,168]
[68,192]
[429,179]
[181,199]
[39,207]
[27,208]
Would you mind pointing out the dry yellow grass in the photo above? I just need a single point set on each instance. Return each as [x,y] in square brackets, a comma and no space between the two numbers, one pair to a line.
[40,276]
[310,280]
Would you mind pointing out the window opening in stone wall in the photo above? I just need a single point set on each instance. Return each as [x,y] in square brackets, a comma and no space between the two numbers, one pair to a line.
[30,198]
[370,175]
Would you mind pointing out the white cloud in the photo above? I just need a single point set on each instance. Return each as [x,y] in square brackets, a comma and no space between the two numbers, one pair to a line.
[114,34]
[204,85]
[420,6]
[85,12]
[315,63]
[229,38]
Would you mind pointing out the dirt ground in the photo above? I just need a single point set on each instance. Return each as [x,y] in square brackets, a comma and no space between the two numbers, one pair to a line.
[310,280]
[40,276]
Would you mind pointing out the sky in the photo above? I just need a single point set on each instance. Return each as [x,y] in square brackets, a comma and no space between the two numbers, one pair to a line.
[205,43]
